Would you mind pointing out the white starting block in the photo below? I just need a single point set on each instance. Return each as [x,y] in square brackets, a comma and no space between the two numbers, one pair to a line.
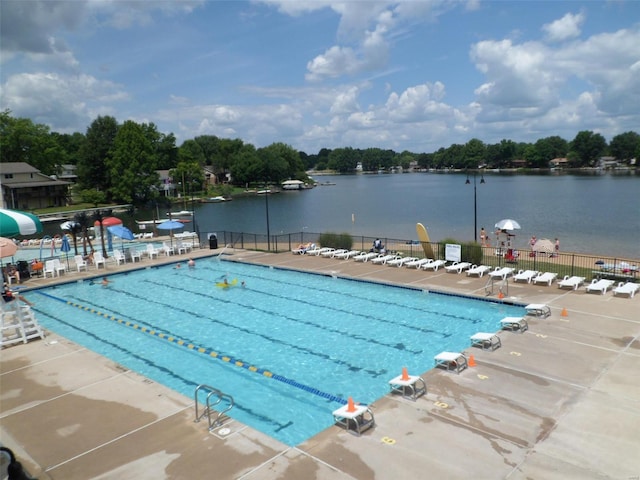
[486,341]
[515,324]
[411,387]
[356,421]
[538,310]
[451,361]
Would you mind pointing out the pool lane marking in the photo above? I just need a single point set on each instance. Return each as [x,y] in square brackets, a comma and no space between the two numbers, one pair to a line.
[204,350]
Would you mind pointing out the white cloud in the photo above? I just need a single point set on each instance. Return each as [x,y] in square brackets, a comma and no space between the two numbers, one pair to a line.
[564,28]
[64,102]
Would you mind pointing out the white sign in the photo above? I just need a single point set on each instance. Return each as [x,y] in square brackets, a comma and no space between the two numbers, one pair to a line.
[452,252]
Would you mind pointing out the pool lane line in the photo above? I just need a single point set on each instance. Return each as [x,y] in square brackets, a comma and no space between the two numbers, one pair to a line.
[170,373]
[324,356]
[203,350]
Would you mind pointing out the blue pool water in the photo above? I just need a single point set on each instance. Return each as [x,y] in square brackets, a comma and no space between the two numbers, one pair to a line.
[311,341]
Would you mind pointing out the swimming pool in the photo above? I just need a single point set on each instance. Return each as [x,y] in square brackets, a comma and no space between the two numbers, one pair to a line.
[288,347]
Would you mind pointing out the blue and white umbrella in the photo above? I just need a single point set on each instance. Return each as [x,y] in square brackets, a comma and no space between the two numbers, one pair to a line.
[14,223]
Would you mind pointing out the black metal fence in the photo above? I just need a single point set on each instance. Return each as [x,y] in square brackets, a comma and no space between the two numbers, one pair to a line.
[587,266]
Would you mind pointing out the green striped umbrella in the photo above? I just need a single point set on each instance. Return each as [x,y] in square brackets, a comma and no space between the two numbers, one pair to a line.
[14,223]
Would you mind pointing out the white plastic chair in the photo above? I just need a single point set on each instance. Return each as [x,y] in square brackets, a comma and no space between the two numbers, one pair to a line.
[80,263]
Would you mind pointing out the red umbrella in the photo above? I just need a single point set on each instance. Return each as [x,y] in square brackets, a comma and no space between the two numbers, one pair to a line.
[108,222]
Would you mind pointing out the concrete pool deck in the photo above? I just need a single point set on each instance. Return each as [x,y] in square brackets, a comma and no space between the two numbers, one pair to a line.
[559,401]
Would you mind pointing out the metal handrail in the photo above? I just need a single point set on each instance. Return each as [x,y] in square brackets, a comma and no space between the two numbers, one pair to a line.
[219,397]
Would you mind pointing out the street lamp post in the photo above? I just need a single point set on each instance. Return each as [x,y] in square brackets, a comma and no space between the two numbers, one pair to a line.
[475,203]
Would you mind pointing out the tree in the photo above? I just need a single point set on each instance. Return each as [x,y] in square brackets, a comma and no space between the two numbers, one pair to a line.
[474,154]
[274,165]
[189,175]
[132,162]
[343,160]
[92,158]
[587,148]
[82,219]
[99,216]
[625,146]
[246,165]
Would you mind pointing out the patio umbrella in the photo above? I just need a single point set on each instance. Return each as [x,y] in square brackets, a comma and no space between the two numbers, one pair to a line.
[13,223]
[170,225]
[65,247]
[108,222]
[543,245]
[507,224]
[7,248]
[123,232]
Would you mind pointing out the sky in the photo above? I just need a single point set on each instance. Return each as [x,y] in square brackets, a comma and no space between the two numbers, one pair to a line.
[407,75]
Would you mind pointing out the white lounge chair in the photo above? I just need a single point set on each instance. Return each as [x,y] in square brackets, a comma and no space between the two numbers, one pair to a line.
[335,251]
[384,259]
[80,262]
[318,251]
[119,257]
[457,267]
[628,288]
[135,255]
[366,256]
[601,285]
[49,268]
[572,282]
[59,267]
[434,265]
[152,251]
[398,262]
[546,277]
[418,263]
[525,275]
[98,259]
[347,255]
[478,270]
[501,273]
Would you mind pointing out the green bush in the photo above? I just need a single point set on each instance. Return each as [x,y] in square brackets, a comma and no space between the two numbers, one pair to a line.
[335,240]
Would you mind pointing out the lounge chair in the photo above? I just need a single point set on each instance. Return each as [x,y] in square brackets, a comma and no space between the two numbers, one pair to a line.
[434,265]
[49,268]
[334,252]
[366,256]
[152,251]
[457,267]
[398,262]
[80,262]
[119,256]
[572,282]
[347,254]
[478,270]
[601,285]
[418,263]
[628,288]
[384,259]
[318,250]
[546,277]
[98,259]
[525,275]
[501,273]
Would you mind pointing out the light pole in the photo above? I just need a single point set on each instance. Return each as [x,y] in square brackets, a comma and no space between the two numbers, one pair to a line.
[475,202]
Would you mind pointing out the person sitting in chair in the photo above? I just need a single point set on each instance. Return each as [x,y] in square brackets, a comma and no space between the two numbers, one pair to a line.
[12,272]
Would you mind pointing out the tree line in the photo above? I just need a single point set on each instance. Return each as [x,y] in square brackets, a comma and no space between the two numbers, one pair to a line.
[117,162]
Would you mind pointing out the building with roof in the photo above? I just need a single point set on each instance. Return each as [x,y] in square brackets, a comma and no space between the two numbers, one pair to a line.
[23,187]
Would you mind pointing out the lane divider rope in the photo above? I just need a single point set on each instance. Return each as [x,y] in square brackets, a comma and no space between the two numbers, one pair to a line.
[203,350]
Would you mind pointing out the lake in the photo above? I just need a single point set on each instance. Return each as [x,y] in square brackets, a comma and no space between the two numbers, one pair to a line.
[598,214]
[588,213]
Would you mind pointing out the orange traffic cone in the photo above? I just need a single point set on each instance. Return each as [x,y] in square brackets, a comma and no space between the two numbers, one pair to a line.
[472,361]
[405,374]
[351,407]
[564,313]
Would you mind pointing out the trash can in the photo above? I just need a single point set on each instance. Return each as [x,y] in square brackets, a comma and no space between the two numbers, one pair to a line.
[213,241]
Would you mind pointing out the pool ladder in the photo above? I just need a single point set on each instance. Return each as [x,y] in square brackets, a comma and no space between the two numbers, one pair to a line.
[214,417]
[503,286]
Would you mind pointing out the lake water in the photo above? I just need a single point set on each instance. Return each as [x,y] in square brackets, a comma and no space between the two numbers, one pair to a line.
[597,214]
